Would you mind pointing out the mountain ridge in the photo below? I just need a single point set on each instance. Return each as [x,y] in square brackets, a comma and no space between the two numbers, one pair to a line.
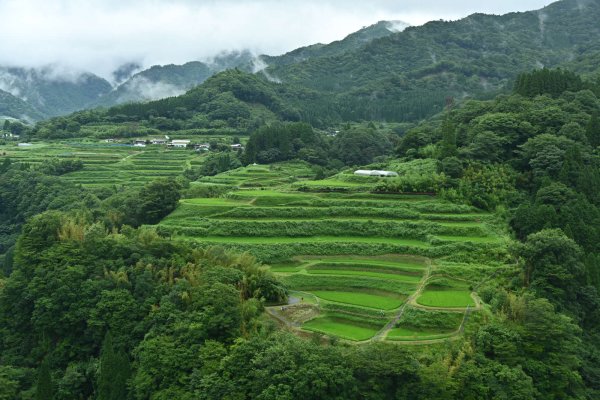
[161,81]
[377,74]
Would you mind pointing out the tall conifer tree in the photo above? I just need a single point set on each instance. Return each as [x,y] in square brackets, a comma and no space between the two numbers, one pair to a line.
[45,387]
[114,372]
[593,130]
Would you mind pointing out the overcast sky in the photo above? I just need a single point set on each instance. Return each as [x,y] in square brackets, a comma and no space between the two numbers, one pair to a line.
[100,35]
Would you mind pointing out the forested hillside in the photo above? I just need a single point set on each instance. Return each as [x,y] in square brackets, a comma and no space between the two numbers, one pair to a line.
[232,100]
[351,42]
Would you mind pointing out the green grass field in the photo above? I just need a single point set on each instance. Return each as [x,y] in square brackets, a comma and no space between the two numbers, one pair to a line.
[474,239]
[395,261]
[366,265]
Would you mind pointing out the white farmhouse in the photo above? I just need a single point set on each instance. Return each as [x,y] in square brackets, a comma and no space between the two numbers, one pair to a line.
[179,143]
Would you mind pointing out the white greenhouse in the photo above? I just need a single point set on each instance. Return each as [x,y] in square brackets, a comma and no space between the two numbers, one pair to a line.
[381,174]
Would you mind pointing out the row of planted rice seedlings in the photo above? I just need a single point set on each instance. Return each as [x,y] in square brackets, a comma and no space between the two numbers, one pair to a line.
[366,228]
[422,325]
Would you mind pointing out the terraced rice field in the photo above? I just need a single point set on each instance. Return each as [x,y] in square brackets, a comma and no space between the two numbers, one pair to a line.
[107,164]
[421,325]
[362,256]
[257,176]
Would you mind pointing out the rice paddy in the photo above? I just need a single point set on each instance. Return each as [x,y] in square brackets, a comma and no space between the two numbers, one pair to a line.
[379,302]
[446,298]
[343,328]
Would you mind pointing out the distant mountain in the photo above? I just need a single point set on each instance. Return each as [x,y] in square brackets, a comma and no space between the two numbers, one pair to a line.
[157,82]
[13,107]
[243,60]
[351,42]
[408,75]
[125,71]
[161,81]
[386,71]
[53,92]
[401,77]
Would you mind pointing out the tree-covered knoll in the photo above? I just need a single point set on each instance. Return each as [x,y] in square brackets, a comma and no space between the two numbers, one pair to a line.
[163,303]
[231,99]
[534,156]
[354,145]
